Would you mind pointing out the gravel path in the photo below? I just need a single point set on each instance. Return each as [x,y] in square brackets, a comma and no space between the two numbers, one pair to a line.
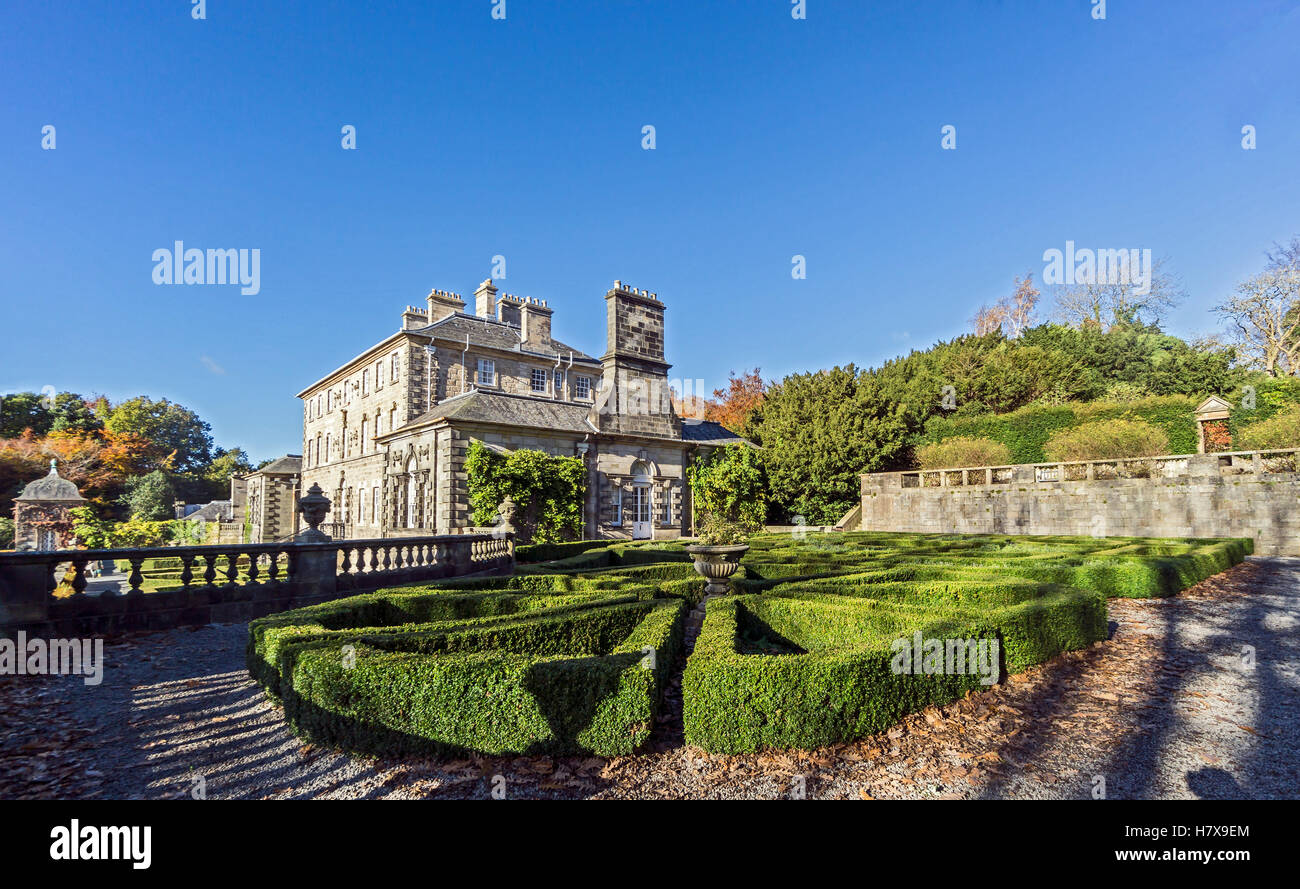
[1170,706]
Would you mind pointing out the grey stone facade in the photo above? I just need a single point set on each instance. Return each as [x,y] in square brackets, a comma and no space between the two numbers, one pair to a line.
[1242,494]
[386,434]
[265,501]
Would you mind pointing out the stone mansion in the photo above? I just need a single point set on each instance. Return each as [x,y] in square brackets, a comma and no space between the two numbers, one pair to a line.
[385,435]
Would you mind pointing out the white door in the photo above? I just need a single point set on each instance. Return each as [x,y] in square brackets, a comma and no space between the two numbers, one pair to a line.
[641,512]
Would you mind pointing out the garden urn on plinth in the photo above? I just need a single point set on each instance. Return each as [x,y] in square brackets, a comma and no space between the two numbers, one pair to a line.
[716,564]
[313,507]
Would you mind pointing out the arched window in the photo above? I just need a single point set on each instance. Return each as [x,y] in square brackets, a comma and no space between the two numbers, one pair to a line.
[365,432]
[327,447]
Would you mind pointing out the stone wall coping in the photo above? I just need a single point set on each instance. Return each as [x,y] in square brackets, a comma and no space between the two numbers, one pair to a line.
[237,549]
[1107,461]
[1019,471]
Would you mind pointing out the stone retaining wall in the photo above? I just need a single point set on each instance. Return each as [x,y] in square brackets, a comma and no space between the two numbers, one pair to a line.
[1240,494]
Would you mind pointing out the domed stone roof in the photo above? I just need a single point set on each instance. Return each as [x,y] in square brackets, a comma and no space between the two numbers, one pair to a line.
[51,488]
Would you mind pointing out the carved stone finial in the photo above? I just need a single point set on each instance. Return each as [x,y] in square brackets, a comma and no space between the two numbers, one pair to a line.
[313,506]
[506,516]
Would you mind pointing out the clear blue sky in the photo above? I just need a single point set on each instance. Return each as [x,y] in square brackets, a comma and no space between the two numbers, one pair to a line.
[523,138]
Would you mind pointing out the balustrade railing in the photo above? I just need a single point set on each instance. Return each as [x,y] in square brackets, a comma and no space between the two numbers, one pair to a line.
[36,586]
[1175,466]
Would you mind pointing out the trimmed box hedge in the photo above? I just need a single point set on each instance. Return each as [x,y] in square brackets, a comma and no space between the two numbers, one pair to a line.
[550,660]
[446,672]
[828,609]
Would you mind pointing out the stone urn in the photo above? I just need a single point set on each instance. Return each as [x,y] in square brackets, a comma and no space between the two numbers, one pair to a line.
[717,563]
[313,507]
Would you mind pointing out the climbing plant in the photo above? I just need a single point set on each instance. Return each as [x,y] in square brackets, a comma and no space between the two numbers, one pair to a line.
[547,491]
[730,492]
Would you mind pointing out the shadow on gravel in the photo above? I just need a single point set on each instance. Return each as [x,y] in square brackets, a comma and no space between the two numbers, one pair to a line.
[1265,619]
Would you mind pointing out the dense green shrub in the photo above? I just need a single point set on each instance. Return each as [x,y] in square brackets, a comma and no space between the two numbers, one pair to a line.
[1107,440]
[963,451]
[729,493]
[1282,430]
[1026,431]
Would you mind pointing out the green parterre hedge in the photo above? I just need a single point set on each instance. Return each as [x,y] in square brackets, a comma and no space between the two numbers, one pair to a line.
[807,654]
[554,658]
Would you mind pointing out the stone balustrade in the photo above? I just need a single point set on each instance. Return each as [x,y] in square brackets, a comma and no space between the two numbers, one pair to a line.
[46,591]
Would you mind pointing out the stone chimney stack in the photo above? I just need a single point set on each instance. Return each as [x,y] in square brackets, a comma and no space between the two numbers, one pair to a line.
[634,324]
[535,324]
[485,300]
[413,317]
[443,303]
[508,308]
[634,397]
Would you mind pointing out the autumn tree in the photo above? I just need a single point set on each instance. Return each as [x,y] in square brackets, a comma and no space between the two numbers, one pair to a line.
[1012,315]
[1021,307]
[733,406]
[989,319]
[172,427]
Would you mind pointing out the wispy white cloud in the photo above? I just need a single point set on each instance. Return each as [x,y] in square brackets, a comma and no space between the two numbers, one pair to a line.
[212,365]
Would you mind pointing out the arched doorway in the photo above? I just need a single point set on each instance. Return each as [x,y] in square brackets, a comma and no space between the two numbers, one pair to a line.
[642,486]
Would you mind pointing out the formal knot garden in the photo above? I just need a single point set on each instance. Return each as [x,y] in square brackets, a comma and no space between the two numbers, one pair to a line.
[825,638]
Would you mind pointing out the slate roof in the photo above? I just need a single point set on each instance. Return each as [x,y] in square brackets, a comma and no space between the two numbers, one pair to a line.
[216,511]
[707,432]
[53,488]
[537,413]
[492,334]
[289,464]
[511,410]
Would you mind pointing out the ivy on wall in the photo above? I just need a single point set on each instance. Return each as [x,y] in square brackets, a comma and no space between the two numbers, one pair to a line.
[548,492]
